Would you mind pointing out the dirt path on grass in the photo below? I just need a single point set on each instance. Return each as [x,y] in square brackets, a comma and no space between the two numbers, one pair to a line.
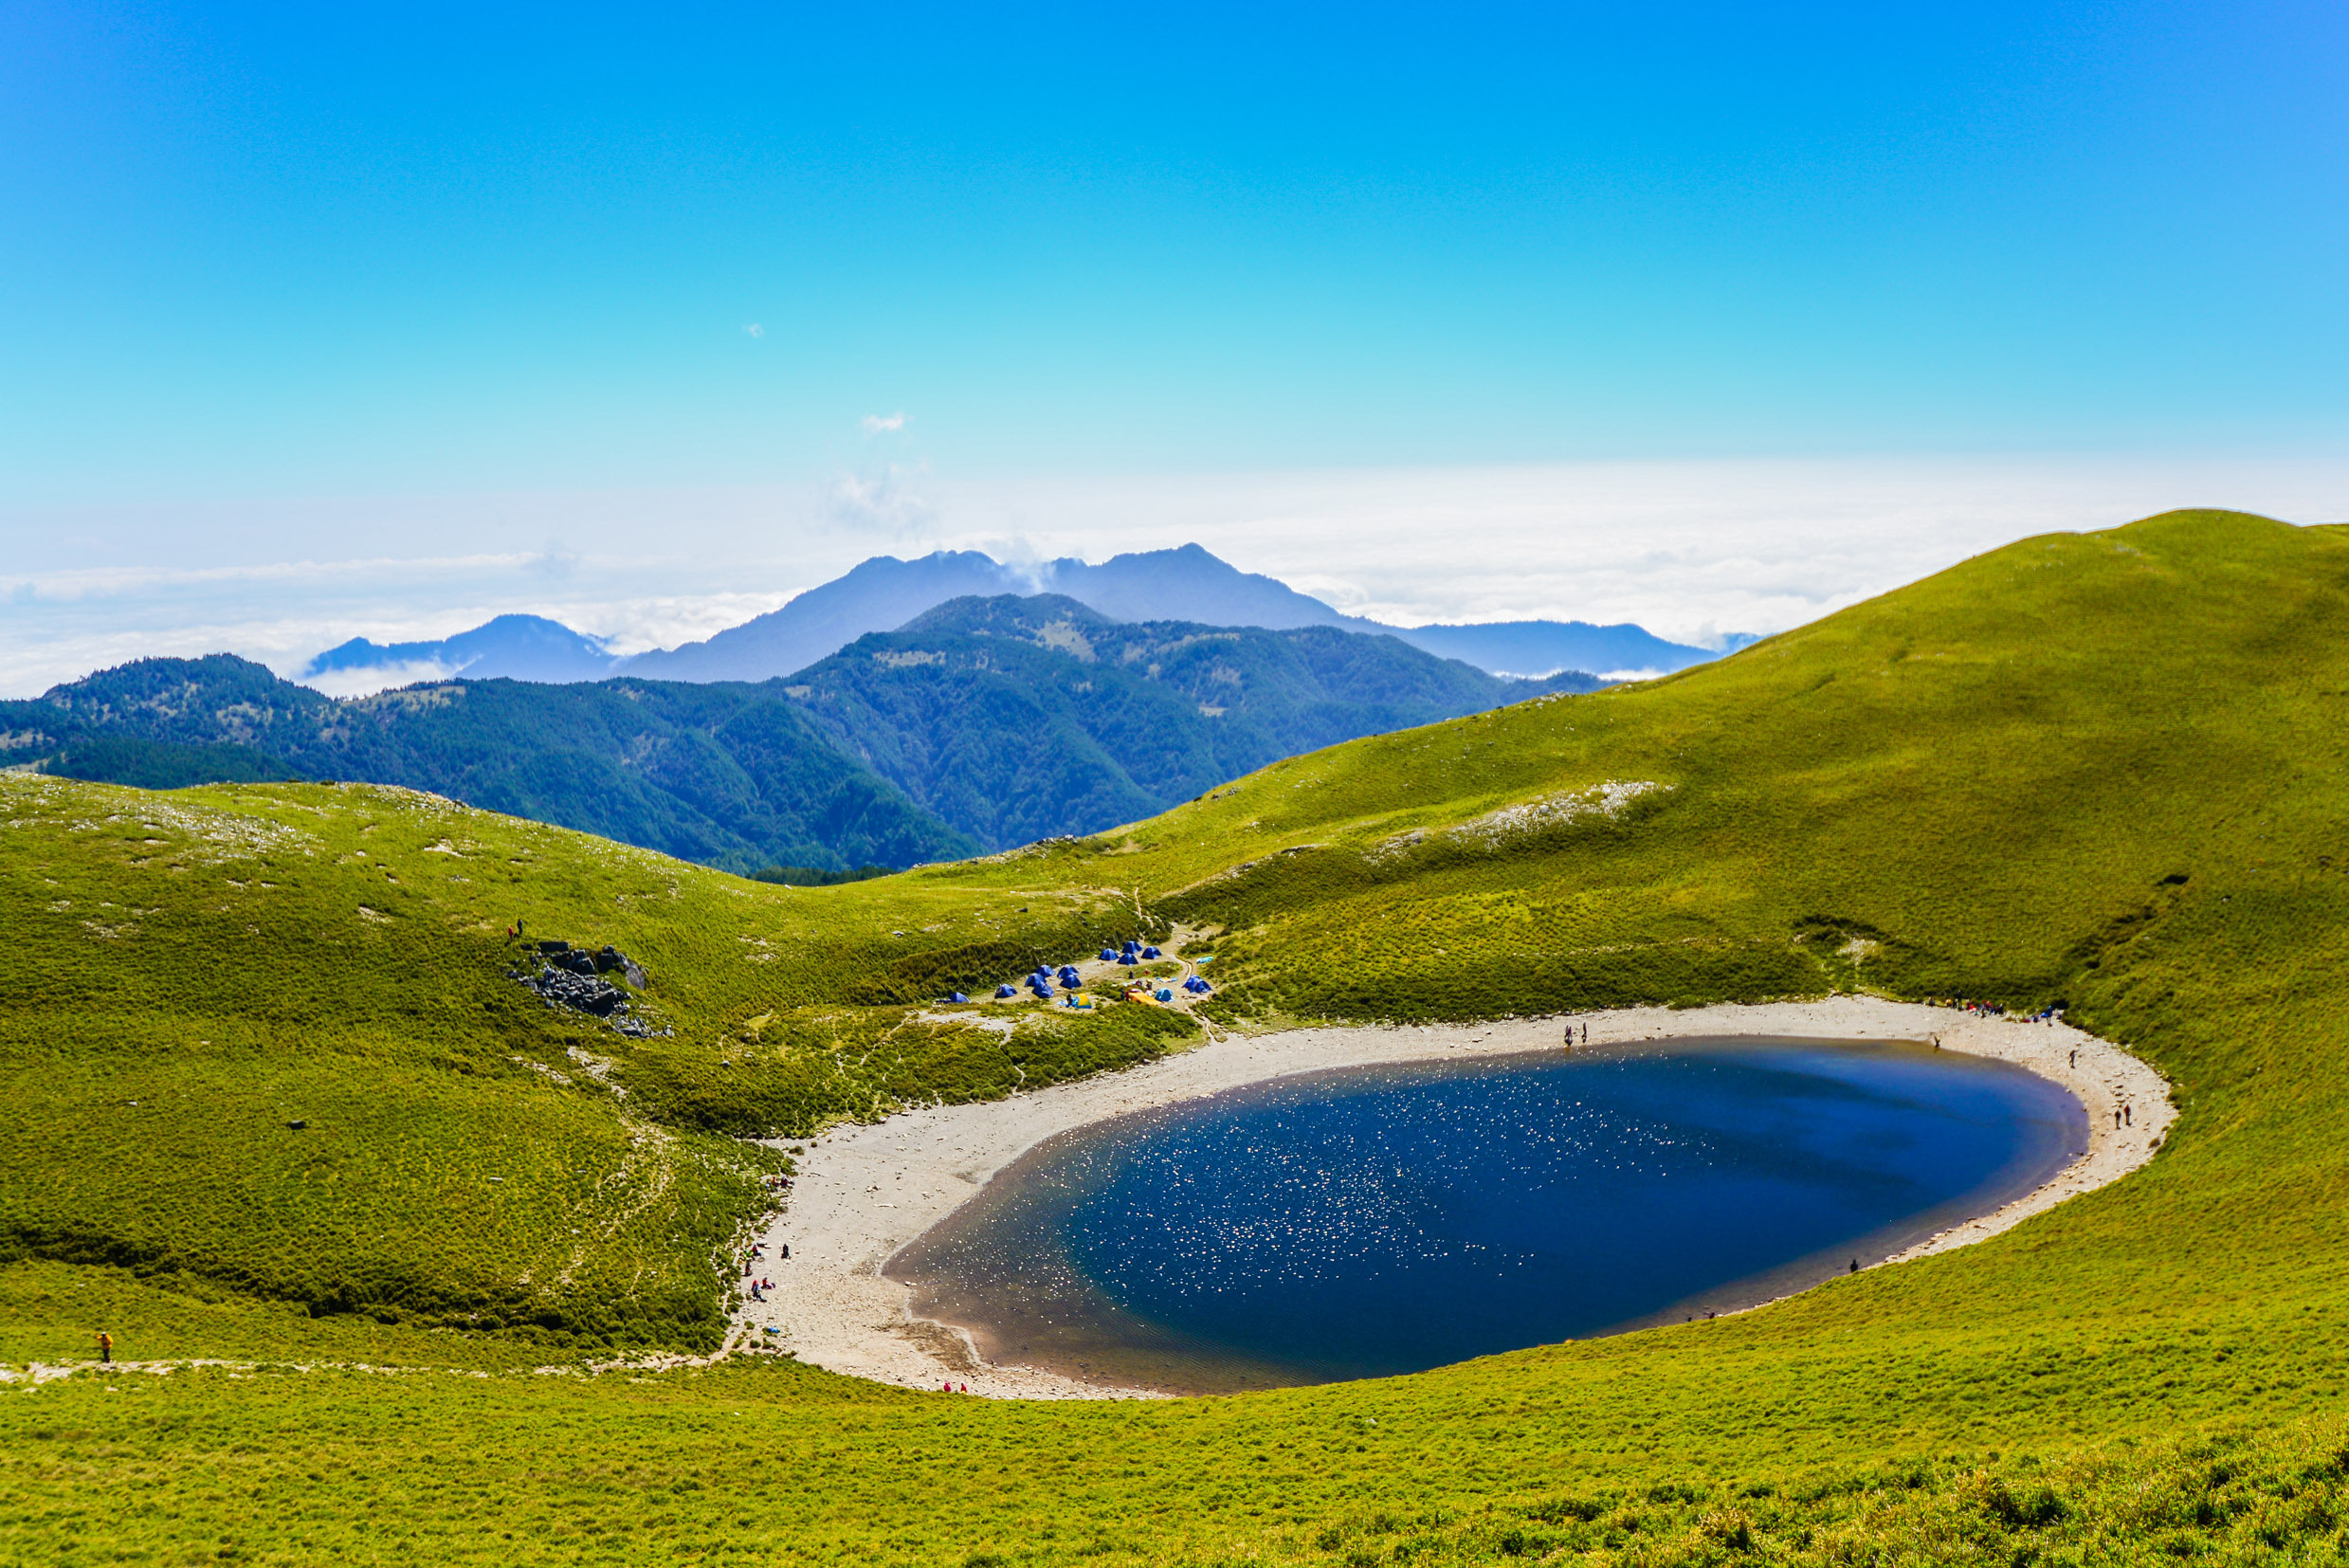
[865,1191]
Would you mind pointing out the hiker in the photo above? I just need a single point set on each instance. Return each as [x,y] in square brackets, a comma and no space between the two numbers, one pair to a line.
[2075,1058]
[2116,1121]
[2128,1115]
[105,1347]
[1855,1265]
[1586,1034]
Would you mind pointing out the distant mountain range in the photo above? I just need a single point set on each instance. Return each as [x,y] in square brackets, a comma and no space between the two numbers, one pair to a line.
[987,722]
[519,647]
[883,593]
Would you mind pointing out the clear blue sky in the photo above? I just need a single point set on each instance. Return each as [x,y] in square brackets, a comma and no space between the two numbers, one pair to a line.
[253,250]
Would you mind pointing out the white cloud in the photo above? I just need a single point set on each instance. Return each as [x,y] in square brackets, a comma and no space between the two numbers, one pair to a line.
[888,507]
[755,329]
[1689,550]
[556,562]
[877,424]
[134,582]
[375,677]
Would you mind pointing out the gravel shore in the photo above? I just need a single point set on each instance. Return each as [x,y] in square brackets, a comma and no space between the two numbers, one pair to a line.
[864,1192]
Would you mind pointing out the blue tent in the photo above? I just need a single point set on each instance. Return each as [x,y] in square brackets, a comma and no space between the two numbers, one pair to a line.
[956,996]
[1196,986]
[1165,995]
[1006,990]
[1150,952]
[1044,990]
[1069,974]
[1109,955]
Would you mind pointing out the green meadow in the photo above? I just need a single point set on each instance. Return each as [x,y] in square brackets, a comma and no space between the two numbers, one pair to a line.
[2105,769]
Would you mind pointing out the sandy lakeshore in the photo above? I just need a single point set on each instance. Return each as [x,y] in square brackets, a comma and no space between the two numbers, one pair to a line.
[865,1191]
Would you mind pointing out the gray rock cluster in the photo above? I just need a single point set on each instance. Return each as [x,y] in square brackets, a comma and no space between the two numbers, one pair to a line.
[573,979]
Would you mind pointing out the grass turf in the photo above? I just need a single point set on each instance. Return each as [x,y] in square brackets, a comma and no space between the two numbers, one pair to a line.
[2105,769]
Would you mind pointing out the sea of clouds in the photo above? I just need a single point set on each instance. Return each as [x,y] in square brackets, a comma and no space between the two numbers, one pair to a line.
[1692,551]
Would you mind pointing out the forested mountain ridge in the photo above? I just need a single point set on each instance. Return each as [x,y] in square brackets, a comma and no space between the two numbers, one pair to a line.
[989,723]
[1016,718]
[718,775]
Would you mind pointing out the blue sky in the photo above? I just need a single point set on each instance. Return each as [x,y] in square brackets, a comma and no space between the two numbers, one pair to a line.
[287,285]
[259,248]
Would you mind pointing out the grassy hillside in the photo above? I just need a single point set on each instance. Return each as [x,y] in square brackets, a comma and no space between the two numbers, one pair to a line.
[193,972]
[2107,769]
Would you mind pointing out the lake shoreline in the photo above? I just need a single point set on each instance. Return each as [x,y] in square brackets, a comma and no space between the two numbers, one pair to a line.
[865,1191]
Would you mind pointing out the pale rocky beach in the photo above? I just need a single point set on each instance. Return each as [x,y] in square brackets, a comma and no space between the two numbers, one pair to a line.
[865,1191]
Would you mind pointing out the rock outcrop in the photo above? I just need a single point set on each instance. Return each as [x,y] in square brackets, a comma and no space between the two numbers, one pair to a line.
[571,979]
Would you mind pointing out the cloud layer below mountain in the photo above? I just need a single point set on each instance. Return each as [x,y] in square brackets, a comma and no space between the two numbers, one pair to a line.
[1689,550]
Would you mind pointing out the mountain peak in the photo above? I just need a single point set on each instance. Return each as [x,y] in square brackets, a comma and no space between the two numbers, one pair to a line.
[521,647]
[1043,618]
[1184,582]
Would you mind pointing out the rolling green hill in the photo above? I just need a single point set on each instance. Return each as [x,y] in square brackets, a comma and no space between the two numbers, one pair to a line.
[2110,769]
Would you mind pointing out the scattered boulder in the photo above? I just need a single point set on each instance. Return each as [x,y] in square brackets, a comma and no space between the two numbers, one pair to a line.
[573,979]
[611,958]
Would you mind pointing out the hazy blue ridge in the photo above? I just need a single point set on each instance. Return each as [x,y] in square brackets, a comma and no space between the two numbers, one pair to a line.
[883,594]
[1537,647]
[878,594]
[522,648]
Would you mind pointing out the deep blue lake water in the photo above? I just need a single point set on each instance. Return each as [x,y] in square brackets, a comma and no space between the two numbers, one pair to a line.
[1379,1220]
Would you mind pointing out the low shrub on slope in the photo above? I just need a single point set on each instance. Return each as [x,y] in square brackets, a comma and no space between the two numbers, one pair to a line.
[2109,769]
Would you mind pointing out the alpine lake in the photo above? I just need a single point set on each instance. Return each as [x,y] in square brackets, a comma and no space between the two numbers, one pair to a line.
[1370,1221]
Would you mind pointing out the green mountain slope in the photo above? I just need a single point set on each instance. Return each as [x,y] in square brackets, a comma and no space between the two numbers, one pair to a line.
[2107,767]
[728,775]
[1018,719]
[193,974]
[995,716]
